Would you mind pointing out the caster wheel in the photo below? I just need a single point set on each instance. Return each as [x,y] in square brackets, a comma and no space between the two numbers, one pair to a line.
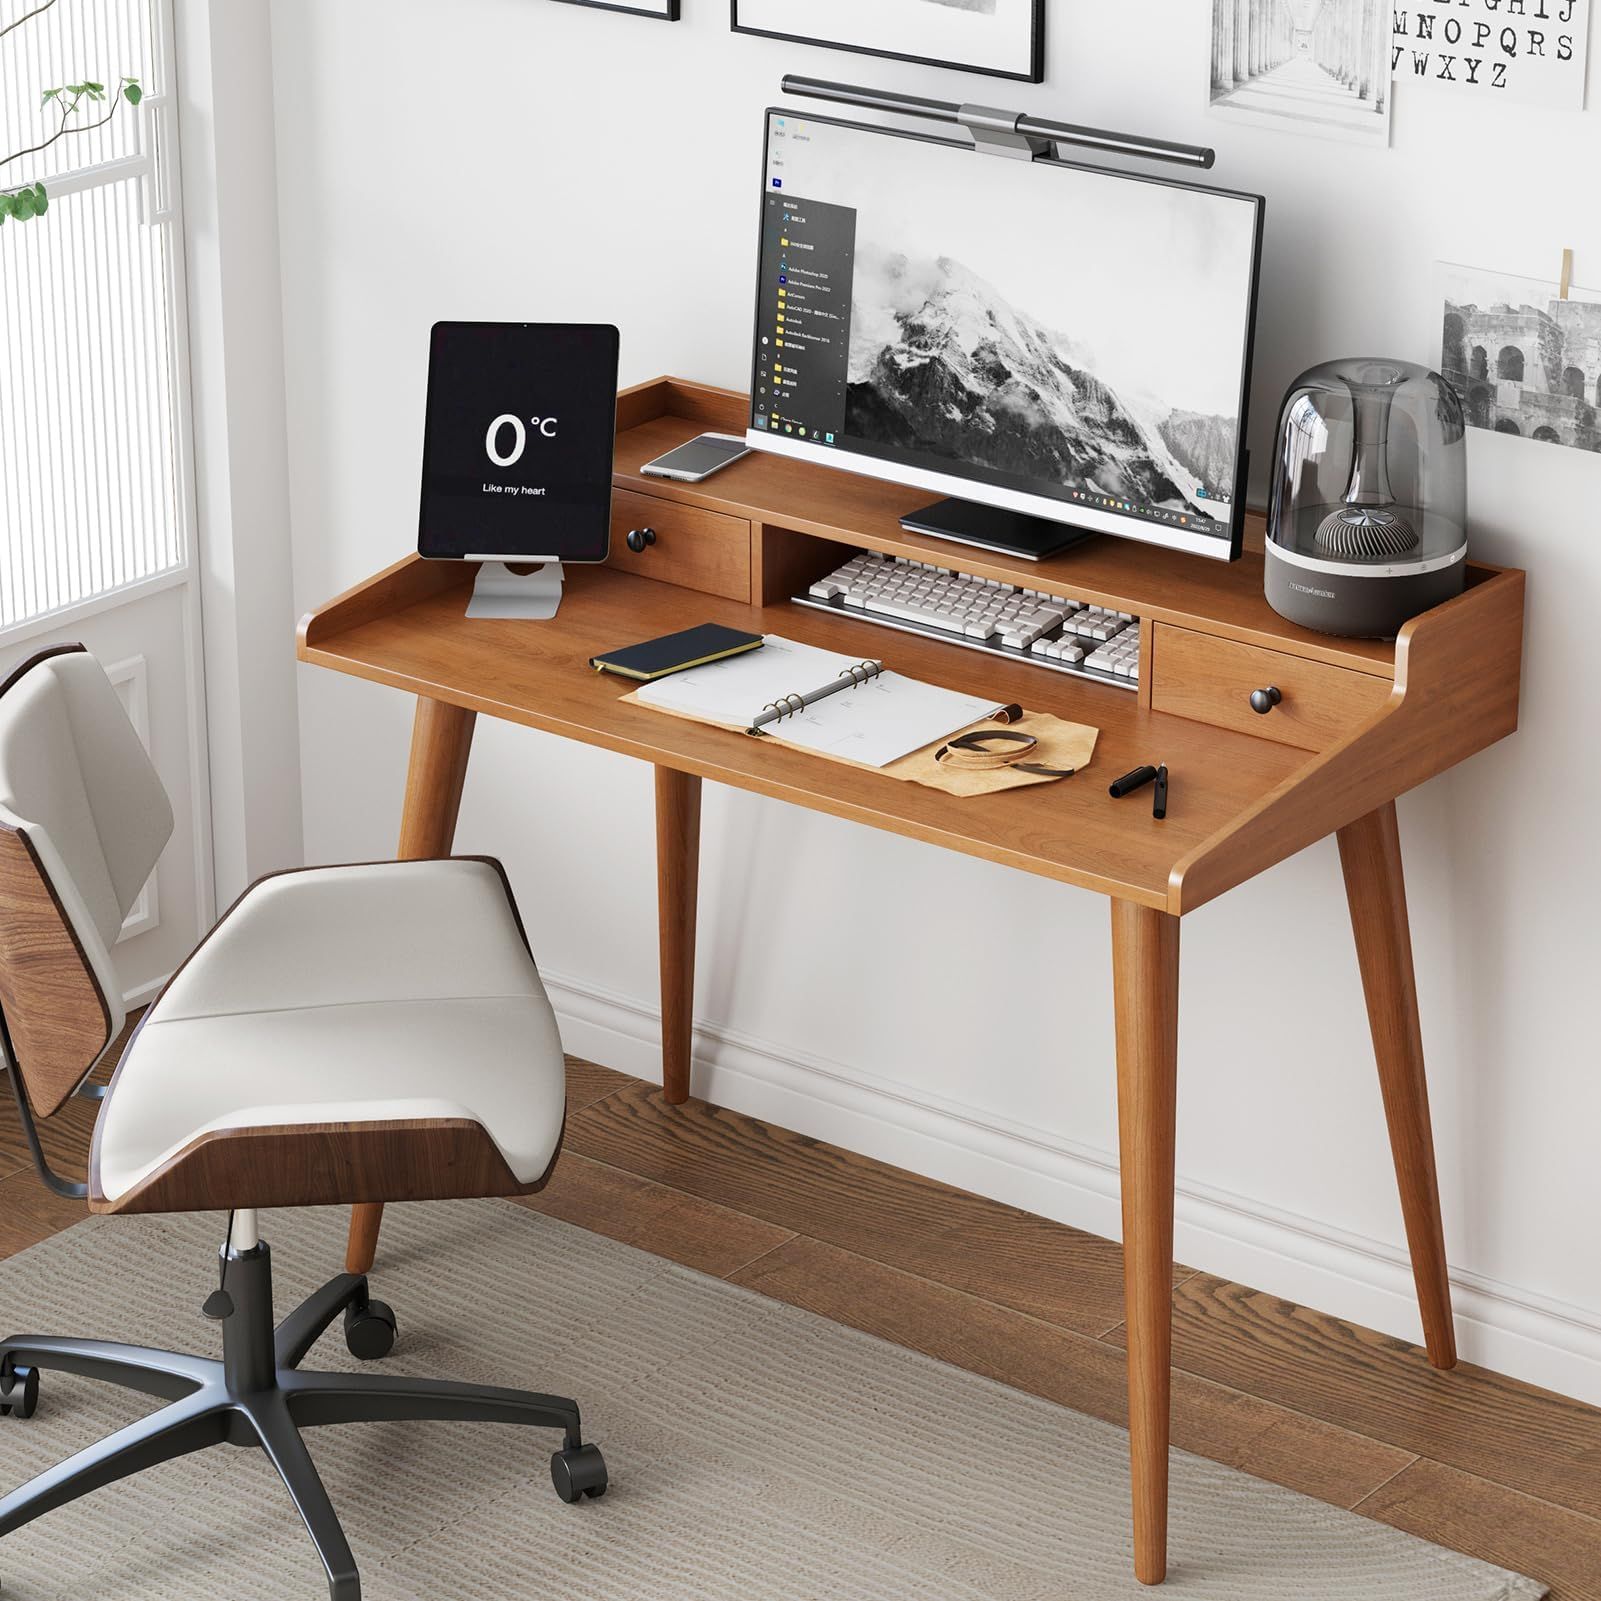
[370,1330]
[20,1397]
[577,1472]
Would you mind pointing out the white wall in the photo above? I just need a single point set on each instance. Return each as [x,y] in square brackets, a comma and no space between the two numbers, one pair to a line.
[236,369]
[520,158]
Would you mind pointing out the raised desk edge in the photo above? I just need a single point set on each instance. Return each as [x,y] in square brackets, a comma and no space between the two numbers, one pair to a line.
[1456,674]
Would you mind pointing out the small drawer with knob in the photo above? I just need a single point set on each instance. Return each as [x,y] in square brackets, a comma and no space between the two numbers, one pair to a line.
[1258,691]
[679,544]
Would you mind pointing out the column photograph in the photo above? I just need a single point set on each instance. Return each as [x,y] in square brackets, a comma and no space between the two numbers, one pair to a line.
[1316,67]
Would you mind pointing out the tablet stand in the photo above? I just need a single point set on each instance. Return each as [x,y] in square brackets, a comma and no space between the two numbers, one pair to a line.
[501,591]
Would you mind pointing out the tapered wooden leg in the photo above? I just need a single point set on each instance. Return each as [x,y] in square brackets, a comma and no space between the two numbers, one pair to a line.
[1145,982]
[677,880]
[1370,854]
[361,1244]
[441,739]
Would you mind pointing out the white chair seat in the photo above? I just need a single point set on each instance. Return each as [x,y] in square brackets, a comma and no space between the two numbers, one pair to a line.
[392,991]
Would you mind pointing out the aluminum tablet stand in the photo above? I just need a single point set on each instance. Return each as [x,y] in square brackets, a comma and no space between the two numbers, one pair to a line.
[501,591]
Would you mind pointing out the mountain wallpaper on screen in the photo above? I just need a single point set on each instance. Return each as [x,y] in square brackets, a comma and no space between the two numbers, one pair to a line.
[941,363]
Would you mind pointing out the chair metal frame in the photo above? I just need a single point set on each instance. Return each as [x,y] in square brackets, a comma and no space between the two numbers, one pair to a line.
[257,1395]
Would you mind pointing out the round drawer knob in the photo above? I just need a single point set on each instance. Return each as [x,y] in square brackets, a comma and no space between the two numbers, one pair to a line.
[1264,700]
[639,538]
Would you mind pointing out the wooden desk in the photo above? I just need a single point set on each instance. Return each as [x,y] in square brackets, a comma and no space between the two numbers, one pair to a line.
[1360,723]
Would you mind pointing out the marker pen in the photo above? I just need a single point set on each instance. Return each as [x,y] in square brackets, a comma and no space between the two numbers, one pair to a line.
[1130,782]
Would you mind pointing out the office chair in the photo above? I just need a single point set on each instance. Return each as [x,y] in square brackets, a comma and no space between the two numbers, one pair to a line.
[364,1033]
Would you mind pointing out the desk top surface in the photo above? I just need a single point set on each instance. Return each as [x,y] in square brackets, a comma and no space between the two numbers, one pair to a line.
[1237,805]
[538,674]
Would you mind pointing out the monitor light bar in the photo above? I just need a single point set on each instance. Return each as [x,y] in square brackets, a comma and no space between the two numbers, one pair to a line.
[1011,133]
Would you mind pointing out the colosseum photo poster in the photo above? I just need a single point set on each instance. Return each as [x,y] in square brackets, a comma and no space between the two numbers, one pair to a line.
[1524,360]
[1318,67]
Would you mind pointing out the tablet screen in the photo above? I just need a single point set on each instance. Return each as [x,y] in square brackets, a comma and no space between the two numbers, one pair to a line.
[517,449]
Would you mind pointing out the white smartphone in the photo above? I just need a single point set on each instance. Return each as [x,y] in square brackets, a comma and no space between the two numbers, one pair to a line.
[699,459]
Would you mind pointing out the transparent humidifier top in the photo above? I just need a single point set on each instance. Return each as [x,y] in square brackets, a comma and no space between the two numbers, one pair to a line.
[1371,466]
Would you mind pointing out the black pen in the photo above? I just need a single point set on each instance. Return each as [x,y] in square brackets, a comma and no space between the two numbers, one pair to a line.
[1159,799]
[1129,782]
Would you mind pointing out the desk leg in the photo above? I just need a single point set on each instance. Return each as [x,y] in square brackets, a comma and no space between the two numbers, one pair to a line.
[441,738]
[677,882]
[1145,983]
[1370,853]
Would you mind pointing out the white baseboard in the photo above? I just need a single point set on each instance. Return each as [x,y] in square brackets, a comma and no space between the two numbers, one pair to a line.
[1499,1326]
[143,994]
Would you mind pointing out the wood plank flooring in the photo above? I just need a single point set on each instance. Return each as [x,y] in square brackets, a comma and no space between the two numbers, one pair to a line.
[1469,1459]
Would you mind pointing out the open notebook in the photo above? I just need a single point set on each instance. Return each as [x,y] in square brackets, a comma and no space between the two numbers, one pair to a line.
[819,700]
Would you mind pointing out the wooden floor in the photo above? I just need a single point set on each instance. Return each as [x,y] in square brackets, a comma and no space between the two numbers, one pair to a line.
[1481,1463]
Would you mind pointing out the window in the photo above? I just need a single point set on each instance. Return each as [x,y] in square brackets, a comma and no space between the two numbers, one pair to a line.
[90,502]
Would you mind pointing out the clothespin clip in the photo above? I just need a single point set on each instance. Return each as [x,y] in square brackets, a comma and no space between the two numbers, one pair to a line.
[1565,282]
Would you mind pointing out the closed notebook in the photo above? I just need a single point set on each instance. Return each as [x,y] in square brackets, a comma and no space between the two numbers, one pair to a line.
[675,653]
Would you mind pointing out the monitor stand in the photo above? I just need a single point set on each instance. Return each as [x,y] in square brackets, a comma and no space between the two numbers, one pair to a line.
[993,528]
[504,591]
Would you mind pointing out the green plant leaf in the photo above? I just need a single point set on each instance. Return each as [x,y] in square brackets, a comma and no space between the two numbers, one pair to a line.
[41,201]
[95,87]
[133,93]
[6,204]
[48,96]
[22,204]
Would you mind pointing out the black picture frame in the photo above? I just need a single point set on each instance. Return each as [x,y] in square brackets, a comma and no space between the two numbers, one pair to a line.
[1035,73]
[670,15]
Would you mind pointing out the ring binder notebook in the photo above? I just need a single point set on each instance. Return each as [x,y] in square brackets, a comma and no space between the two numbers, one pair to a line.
[819,700]
[775,711]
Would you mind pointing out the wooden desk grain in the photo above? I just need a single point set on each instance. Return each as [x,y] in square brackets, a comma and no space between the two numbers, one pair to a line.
[1240,801]
[1072,831]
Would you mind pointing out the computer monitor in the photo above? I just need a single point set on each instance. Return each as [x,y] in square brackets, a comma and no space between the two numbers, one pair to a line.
[1063,349]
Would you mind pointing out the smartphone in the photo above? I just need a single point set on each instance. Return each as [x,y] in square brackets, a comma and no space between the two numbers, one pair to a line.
[699,459]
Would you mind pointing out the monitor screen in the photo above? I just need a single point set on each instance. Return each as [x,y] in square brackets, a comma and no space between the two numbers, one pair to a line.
[1047,338]
[517,447]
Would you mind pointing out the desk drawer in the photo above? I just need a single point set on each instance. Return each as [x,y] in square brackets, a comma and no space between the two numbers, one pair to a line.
[693,548]
[1211,680]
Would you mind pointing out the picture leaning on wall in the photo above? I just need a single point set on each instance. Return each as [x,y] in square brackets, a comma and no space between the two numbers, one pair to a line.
[661,10]
[1002,37]
[1523,360]
[1316,67]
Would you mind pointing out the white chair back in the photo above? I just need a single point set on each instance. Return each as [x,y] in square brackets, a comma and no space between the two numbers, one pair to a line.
[83,819]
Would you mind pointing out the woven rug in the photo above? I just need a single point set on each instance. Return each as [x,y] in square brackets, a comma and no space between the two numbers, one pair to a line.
[757,1452]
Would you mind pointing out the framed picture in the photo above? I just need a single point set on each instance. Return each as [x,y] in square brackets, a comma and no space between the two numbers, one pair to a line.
[1003,37]
[661,10]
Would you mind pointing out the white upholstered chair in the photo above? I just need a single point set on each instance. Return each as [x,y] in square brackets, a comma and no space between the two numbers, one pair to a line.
[375,1032]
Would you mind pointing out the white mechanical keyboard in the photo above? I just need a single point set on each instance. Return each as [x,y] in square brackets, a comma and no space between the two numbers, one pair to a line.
[920,598]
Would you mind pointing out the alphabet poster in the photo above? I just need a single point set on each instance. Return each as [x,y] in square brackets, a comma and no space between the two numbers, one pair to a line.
[1530,50]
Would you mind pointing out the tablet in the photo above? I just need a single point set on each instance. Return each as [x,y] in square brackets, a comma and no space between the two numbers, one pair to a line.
[517,447]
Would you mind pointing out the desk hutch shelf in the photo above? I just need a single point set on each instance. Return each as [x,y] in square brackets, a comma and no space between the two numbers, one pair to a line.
[1359,723]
